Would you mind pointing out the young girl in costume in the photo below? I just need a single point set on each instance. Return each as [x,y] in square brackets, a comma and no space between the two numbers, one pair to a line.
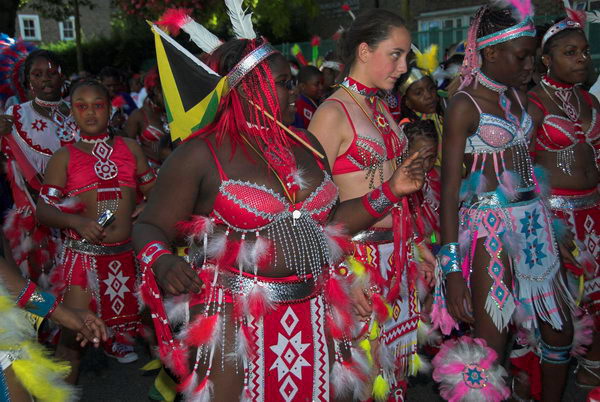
[148,124]
[97,267]
[567,145]
[364,147]
[29,134]
[499,262]
[26,371]
[269,318]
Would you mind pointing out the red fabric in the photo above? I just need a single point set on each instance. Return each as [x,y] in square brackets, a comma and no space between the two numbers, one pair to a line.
[150,133]
[248,206]
[305,109]
[558,132]
[80,170]
[529,363]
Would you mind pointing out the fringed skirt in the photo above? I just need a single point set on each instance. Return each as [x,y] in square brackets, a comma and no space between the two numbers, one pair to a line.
[522,230]
[108,272]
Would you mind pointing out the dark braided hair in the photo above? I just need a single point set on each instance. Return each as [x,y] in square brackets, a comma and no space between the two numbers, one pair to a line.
[494,20]
[39,54]
[420,128]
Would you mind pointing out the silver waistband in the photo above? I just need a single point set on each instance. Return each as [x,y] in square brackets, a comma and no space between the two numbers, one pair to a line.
[96,249]
[374,236]
[278,291]
[575,201]
[492,199]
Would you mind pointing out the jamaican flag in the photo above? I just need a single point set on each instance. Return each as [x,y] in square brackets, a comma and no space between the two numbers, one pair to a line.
[192,91]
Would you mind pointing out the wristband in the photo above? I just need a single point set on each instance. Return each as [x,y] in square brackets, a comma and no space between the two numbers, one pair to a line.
[36,302]
[449,259]
[146,178]
[52,195]
[151,252]
[379,201]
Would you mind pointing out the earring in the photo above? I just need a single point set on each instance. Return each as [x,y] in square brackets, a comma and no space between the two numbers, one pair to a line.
[548,70]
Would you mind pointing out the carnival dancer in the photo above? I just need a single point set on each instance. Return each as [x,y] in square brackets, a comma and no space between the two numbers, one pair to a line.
[148,124]
[97,267]
[364,145]
[30,133]
[310,90]
[25,371]
[263,285]
[499,262]
[567,145]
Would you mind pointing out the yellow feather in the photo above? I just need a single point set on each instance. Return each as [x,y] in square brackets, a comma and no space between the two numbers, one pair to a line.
[356,266]
[152,365]
[381,388]
[6,303]
[374,331]
[366,346]
[428,60]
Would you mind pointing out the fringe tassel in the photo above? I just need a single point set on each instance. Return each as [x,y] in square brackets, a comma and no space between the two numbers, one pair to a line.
[258,303]
[583,328]
[203,331]
[203,392]
[346,381]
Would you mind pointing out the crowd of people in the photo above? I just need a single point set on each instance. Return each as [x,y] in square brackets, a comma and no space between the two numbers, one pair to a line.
[329,232]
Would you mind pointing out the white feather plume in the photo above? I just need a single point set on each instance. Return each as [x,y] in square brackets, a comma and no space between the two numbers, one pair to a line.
[202,37]
[240,21]
[593,17]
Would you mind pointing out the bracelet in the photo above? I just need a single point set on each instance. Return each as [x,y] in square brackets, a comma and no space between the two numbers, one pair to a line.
[147,177]
[449,259]
[151,252]
[36,302]
[379,201]
[51,194]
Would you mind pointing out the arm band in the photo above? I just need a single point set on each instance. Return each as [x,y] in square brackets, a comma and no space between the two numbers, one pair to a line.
[146,178]
[36,302]
[379,201]
[449,259]
[151,252]
[52,195]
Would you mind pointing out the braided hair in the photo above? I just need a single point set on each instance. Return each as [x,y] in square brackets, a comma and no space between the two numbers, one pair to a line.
[494,20]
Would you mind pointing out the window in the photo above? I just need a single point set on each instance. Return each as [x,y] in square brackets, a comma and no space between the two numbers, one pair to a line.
[29,26]
[67,29]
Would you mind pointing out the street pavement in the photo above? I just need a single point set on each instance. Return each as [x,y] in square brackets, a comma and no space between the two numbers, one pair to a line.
[105,380]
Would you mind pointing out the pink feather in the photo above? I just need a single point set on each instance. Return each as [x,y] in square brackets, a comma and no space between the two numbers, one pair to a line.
[203,330]
[523,7]
[576,15]
[173,19]
[583,327]
[509,183]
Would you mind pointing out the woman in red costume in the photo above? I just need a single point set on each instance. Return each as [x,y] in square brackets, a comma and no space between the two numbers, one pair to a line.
[270,317]
[29,134]
[567,145]
[97,267]
[364,146]
[148,124]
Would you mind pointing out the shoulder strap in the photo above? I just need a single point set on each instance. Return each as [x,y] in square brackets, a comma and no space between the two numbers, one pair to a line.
[533,98]
[518,98]
[472,99]
[222,174]
[345,111]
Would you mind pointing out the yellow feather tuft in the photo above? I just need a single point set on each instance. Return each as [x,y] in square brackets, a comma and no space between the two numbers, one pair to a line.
[365,345]
[428,60]
[152,365]
[356,266]
[381,388]
[39,382]
[374,334]
[6,303]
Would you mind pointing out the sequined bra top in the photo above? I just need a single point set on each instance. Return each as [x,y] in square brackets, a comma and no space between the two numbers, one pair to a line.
[363,152]
[558,133]
[495,134]
[246,206]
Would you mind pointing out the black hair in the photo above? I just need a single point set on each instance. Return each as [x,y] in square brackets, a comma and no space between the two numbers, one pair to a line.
[307,73]
[420,128]
[110,72]
[38,54]
[494,20]
[550,43]
[406,112]
[89,82]
[370,27]
[226,56]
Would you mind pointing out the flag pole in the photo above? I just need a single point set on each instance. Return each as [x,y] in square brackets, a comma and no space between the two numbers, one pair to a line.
[288,131]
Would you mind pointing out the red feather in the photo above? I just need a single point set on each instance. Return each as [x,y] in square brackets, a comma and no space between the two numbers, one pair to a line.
[335,331]
[178,362]
[71,206]
[118,101]
[196,226]
[232,250]
[264,260]
[258,303]
[380,309]
[202,330]
[336,294]
[345,7]
[173,19]
[315,41]
[188,384]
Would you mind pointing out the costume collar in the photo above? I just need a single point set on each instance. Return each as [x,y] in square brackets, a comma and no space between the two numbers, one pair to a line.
[490,83]
[557,86]
[94,139]
[359,88]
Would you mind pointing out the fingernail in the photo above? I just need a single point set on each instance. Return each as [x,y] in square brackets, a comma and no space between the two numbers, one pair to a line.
[96,340]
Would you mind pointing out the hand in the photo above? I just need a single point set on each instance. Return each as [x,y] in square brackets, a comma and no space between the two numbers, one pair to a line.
[175,276]
[360,302]
[89,328]
[427,265]
[6,124]
[458,298]
[88,228]
[408,177]
[567,255]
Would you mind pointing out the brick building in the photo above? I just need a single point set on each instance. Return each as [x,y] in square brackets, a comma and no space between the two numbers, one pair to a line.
[34,28]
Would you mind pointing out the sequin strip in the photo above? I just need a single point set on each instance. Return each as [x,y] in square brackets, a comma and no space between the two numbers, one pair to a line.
[248,63]
[524,28]
[571,202]
[278,291]
[449,259]
[96,249]
[560,26]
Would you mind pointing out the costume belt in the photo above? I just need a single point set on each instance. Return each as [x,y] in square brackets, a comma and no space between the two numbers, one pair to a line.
[84,247]
[579,201]
[280,290]
[375,235]
[493,199]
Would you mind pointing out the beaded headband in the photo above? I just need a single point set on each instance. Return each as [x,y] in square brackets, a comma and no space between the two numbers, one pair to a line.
[558,27]
[248,63]
[524,28]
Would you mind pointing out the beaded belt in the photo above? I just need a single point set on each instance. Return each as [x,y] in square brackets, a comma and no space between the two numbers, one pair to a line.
[97,249]
[374,236]
[492,199]
[582,201]
[280,290]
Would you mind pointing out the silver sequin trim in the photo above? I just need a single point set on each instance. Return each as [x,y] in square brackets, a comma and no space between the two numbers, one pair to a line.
[571,202]
[96,249]
[279,292]
[248,63]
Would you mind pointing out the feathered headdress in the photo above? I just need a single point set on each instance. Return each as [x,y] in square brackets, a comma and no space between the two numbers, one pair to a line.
[12,56]
[178,18]
[576,19]
[426,64]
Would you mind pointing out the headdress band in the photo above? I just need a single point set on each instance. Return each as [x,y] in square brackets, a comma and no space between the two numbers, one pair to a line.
[524,28]
[415,75]
[247,64]
[558,27]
